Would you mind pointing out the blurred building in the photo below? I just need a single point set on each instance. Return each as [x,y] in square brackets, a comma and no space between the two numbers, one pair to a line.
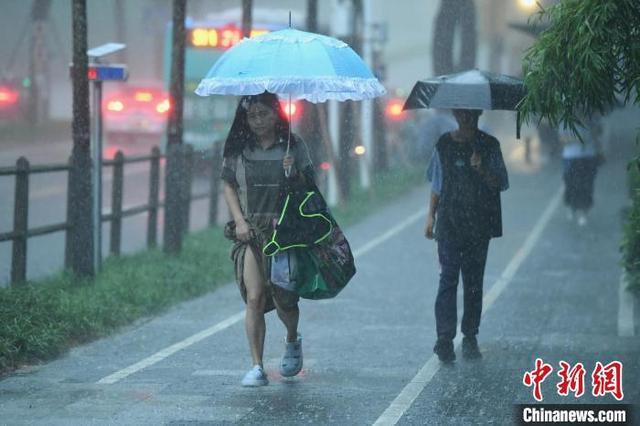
[404,30]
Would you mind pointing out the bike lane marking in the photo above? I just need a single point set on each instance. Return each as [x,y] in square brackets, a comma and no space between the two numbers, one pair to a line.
[412,390]
[233,319]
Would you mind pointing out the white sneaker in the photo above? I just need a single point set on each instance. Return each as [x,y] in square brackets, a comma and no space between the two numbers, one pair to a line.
[582,219]
[291,363]
[255,377]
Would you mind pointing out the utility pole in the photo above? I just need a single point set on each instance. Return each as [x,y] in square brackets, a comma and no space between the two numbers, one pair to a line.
[120,19]
[247,17]
[312,16]
[366,115]
[38,90]
[349,109]
[80,188]
[341,27]
[453,16]
[175,182]
[309,127]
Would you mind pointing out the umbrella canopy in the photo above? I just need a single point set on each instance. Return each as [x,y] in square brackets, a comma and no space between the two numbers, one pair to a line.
[300,64]
[473,89]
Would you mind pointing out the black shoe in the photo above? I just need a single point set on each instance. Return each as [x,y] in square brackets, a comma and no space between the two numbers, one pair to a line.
[470,348]
[444,350]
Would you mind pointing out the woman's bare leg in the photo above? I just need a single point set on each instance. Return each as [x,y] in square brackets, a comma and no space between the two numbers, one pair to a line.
[290,320]
[256,299]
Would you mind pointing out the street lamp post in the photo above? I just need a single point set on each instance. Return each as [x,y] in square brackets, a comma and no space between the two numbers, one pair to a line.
[99,72]
[96,147]
[366,115]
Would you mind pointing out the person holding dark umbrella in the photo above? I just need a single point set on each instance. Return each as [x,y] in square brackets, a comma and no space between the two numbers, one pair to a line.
[467,174]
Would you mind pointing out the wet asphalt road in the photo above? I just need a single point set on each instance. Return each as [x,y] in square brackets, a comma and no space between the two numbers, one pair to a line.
[554,290]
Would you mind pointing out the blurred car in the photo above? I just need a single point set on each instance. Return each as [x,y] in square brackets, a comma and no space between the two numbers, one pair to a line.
[135,112]
[10,101]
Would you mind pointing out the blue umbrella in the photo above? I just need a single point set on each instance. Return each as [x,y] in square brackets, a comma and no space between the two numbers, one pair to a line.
[300,65]
[292,63]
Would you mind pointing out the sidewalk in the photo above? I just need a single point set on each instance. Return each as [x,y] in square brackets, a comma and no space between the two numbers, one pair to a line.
[562,304]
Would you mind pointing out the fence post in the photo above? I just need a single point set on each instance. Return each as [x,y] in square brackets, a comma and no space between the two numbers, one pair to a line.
[187,158]
[116,204]
[69,232]
[154,196]
[172,200]
[216,162]
[20,223]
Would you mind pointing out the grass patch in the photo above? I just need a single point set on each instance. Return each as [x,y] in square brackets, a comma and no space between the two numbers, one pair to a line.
[44,318]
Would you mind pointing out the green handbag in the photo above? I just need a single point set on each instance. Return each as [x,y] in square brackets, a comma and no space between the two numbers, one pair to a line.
[323,270]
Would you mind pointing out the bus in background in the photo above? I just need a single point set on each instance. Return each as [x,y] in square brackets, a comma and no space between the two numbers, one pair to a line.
[208,119]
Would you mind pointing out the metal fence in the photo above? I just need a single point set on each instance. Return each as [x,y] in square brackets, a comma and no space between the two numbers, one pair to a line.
[21,232]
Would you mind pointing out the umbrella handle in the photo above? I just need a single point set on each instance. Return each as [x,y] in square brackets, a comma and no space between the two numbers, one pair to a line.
[287,171]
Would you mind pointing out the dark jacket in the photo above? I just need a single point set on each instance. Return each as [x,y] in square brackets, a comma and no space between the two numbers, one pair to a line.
[469,209]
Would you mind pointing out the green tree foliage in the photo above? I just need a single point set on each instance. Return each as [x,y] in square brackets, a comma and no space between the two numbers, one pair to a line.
[587,60]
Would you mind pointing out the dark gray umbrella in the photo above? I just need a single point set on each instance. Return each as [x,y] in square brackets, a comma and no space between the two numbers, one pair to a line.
[473,89]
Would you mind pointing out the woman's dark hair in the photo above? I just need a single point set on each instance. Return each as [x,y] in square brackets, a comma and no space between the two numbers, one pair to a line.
[240,134]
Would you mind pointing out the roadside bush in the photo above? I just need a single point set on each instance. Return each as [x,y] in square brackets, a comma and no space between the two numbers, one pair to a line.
[631,239]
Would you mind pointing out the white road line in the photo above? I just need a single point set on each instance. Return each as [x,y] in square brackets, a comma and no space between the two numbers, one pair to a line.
[164,353]
[390,233]
[405,399]
[625,309]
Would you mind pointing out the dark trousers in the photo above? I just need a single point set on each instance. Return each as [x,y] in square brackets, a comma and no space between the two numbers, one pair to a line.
[469,258]
[579,175]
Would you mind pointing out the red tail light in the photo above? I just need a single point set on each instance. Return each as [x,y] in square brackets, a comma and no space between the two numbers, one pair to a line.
[292,110]
[143,96]
[163,107]
[8,96]
[115,105]
[394,110]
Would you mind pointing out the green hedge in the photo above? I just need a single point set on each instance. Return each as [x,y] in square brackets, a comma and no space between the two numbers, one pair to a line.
[42,319]
[631,239]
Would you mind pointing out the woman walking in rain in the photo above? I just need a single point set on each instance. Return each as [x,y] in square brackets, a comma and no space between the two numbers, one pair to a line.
[580,160]
[255,159]
[467,173]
